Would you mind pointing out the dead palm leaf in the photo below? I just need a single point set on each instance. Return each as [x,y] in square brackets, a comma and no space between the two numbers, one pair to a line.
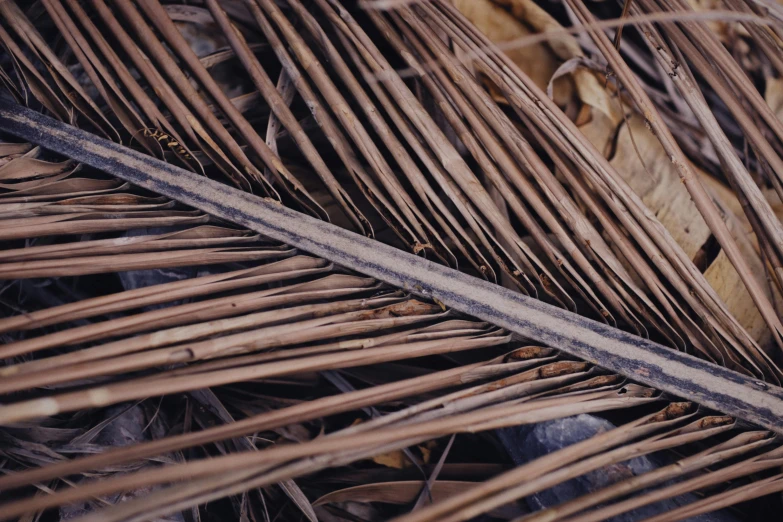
[553,179]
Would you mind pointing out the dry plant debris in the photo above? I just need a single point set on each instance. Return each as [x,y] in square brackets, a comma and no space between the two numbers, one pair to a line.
[622,161]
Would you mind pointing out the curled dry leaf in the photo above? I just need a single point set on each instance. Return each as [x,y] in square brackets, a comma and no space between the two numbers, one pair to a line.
[618,131]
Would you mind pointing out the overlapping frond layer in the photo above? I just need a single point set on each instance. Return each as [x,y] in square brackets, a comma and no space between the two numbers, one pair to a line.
[261,344]
[384,123]
[157,358]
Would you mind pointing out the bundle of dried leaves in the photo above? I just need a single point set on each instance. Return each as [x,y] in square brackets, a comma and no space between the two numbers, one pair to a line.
[620,161]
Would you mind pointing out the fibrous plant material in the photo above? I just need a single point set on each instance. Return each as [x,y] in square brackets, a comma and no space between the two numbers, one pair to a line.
[258,336]
[645,361]
[562,169]
[461,210]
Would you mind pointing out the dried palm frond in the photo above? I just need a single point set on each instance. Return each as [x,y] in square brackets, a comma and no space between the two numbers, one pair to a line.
[402,121]
[314,320]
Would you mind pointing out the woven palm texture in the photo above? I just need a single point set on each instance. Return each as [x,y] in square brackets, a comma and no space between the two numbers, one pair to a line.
[413,260]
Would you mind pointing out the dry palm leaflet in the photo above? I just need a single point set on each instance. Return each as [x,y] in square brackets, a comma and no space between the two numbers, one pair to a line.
[312,260]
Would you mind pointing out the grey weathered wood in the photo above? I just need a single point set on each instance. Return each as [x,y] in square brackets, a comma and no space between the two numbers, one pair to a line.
[639,359]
